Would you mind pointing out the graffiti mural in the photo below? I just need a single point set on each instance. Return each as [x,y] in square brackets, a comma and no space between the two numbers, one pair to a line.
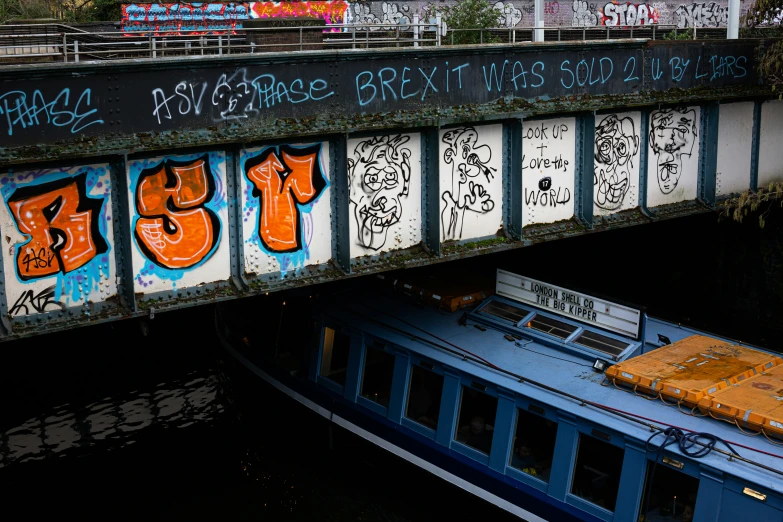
[674,155]
[508,14]
[471,182]
[331,11]
[616,175]
[174,229]
[548,159]
[629,14]
[57,225]
[583,17]
[702,14]
[286,211]
[384,176]
[172,18]
[178,208]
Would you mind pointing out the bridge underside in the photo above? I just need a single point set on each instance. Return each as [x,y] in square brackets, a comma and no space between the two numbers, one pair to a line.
[137,187]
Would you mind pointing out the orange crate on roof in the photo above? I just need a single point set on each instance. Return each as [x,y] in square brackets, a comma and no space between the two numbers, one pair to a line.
[755,403]
[691,369]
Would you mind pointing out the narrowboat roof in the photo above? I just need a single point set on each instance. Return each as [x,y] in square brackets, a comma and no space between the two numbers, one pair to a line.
[400,322]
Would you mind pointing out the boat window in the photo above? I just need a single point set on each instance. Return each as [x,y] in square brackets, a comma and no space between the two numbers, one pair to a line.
[424,392]
[601,343]
[672,494]
[476,420]
[551,326]
[597,471]
[334,358]
[504,311]
[377,376]
[534,444]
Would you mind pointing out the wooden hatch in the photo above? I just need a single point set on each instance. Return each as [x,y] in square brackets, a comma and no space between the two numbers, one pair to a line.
[691,369]
[447,292]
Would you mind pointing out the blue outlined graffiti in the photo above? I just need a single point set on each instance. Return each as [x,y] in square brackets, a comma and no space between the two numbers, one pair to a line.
[21,110]
[146,274]
[64,287]
[294,258]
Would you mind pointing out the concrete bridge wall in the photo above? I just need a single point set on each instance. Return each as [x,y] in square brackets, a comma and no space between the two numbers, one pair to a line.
[172,183]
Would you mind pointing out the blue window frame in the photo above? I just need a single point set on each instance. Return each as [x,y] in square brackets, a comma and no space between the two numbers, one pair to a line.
[377,376]
[423,397]
[334,354]
[476,417]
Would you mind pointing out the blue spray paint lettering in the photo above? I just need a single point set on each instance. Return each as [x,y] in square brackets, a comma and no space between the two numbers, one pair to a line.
[19,111]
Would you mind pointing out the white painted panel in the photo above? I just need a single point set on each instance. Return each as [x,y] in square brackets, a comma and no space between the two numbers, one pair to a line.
[59,238]
[286,208]
[573,305]
[471,182]
[548,162]
[617,153]
[771,143]
[179,221]
[384,177]
[735,139]
[673,155]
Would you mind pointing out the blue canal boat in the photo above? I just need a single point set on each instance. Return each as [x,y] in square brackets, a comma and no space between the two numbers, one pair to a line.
[548,403]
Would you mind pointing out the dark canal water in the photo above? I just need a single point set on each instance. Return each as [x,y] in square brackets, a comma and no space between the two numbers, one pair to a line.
[107,423]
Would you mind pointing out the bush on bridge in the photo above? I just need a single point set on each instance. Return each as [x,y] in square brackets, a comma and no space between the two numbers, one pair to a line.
[472,20]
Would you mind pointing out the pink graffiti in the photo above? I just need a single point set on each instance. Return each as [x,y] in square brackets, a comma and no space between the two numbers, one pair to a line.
[551,8]
[331,11]
[628,14]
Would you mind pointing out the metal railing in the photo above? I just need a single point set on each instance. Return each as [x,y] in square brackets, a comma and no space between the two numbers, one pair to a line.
[21,44]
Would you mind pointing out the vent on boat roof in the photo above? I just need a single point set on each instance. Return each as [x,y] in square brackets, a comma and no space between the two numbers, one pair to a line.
[551,326]
[601,343]
[505,311]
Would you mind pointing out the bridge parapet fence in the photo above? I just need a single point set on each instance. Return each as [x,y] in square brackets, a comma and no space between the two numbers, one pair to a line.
[61,43]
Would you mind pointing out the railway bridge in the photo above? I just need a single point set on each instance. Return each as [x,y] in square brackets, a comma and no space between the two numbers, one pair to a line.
[136,186]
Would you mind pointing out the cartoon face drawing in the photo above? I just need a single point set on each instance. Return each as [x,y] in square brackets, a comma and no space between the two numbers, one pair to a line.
[469,168]
[672,136]
[616,145]
[379,176]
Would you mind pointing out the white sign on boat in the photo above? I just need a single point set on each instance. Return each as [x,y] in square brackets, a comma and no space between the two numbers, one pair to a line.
[582,307]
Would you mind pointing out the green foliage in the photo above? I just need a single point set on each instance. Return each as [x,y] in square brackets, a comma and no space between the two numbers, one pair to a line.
[24,10]
[66,10]
[763,20]
[750,202]
[92,11]
[686,34]
[478,15]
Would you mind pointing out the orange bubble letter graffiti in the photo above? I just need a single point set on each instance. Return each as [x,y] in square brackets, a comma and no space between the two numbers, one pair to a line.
[62,223]
[174,229]
[283,179]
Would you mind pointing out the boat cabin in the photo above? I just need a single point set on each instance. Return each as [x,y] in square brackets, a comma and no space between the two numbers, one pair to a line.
[515,400]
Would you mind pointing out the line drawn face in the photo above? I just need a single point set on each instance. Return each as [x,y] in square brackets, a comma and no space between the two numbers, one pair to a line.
[467,158]
[616,144]
[672,135]
[379,177]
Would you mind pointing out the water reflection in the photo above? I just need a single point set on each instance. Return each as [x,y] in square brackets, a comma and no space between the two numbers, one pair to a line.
[113,421]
